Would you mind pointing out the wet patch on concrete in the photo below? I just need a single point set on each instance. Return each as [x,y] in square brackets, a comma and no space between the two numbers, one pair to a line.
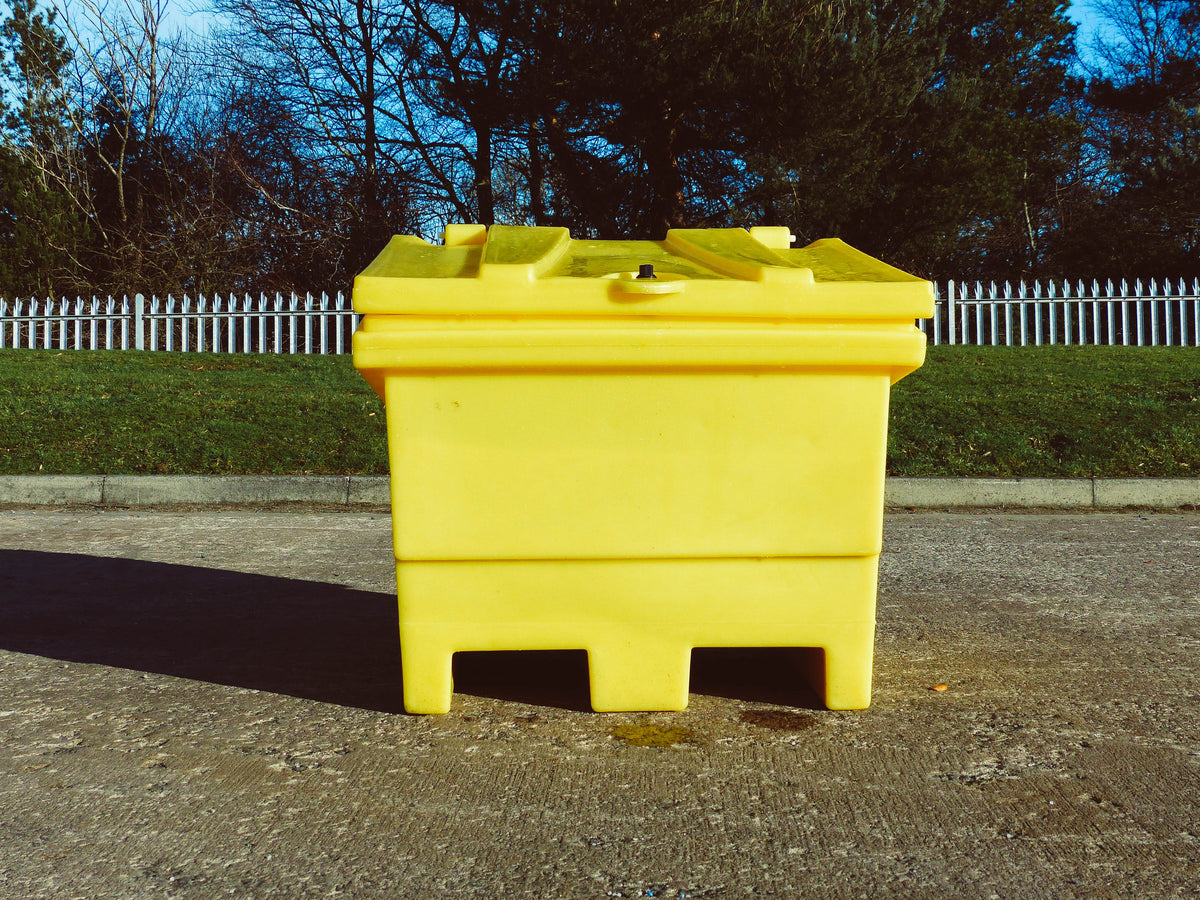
[648,734]
[778,719]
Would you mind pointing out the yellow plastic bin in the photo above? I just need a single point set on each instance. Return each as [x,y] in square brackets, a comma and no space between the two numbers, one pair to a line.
[587,457]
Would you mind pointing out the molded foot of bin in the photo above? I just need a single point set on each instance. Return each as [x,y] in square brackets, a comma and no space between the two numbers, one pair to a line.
[847,675]
[640,674]
[428,667]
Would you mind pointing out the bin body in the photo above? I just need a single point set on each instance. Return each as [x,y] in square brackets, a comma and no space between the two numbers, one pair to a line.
[584,459]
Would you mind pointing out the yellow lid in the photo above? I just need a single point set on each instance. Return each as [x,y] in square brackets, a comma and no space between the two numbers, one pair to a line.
[693,273]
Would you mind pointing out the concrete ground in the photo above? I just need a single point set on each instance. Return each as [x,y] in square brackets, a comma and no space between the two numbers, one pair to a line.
[207,704]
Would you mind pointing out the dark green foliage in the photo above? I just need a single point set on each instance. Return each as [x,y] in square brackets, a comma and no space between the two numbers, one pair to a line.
[40,229]
[953,134]
[933,134]
[34,57]
[40,222]
[618,118]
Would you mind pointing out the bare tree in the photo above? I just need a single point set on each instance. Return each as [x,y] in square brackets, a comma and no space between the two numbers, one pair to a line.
[406,95]
[334,64]
[130,78]
[124,67]
[1140,36]
[461,73]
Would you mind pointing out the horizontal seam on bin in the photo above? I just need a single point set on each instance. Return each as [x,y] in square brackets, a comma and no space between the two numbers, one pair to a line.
[626,559]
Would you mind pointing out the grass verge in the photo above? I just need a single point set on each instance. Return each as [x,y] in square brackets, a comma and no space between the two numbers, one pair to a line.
[124,412]
[1049,412]
[978,411]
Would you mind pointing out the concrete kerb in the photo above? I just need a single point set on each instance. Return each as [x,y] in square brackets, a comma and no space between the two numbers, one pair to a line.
[1043,493]
[192,490]
[1023,493]
[372,491]
[51,490]
[136,490]
[1159,493]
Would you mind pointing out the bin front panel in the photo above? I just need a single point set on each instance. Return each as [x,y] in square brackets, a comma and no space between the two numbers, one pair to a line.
[594,465]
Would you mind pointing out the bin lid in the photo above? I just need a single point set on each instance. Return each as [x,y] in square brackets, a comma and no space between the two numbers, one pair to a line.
[693,273]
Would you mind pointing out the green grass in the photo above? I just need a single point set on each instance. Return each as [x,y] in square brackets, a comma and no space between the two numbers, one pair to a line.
[1044,411]
[1049,412]
[114,412]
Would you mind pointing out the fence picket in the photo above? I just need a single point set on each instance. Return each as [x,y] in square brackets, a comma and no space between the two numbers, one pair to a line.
[1196,315]
[991,318]
[1181,300]
[152,322]
[1071,309]
[201,332]
[1153,314]
[1053,310]
[216,323]
[1022,295]
[308,306]
[230,329]
[262,323]
[1139,314]
[1169,332]
[1124,314]
[185,322]
[950,312]
[1008,322]
[247,303]
[324,330]
[341,306]
[293,305]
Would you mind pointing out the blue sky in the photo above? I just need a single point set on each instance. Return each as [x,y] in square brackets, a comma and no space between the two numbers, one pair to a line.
[1083,15]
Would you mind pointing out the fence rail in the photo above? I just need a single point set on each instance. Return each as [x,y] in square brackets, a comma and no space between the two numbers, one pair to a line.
[1158,313]
[220,324]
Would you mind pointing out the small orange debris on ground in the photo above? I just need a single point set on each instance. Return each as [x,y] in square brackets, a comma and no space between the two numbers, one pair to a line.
[940,687]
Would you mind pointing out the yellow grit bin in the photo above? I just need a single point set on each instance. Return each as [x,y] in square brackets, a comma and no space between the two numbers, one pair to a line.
[635,448]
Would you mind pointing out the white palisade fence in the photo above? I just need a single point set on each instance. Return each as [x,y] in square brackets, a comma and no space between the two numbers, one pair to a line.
[1156,313]
[1143,315]
[227,323]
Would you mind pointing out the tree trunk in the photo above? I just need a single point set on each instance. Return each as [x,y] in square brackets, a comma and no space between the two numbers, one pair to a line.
[666,184]
[537,178]
[484,196]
